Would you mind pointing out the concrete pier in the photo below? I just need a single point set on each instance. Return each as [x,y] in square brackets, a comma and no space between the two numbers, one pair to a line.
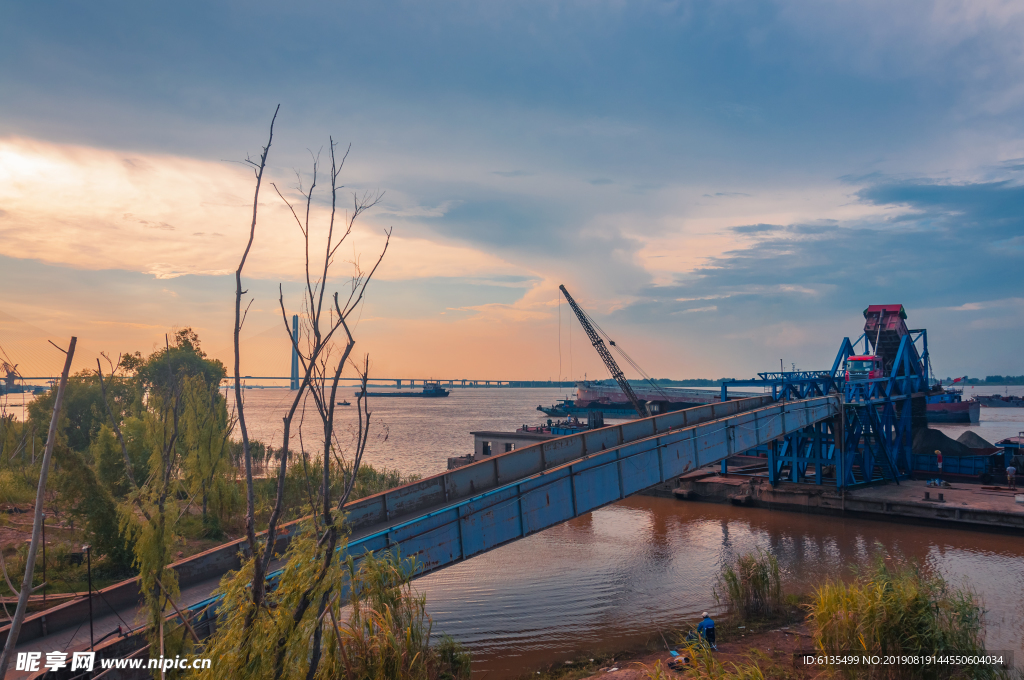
[962,505]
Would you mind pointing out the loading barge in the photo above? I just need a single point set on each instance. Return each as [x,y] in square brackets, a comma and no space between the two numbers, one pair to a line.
[430,390]
[948,406]
[612,402]
[999,401]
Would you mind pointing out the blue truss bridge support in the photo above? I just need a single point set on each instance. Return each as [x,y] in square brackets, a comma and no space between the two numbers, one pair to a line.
[872,440]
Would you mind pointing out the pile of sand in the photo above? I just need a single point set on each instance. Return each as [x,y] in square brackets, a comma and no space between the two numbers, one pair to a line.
[973,441]
[928,441]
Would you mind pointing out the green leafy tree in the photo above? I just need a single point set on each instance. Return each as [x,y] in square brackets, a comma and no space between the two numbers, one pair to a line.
[83,411]
[371,625]
[109,460]
[148,517]
[206,428]
[90,502]
[162,369]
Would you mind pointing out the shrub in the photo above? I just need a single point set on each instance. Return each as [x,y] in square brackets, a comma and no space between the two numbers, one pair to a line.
[754,588]
[704,665]
[388,632]
[16,487]
[372,625]
[899,609]
[88,501]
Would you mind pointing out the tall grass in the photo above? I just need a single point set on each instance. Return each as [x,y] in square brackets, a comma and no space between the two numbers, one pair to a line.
[704,665]
[302,485]
[366,622]
[388,631]
[897,608]
[17,486]
[370,480]
[654,672]
[753,589]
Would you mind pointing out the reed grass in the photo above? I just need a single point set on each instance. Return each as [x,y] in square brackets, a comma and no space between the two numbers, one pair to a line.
[753,589]
[655,671]
[704,665]
[17,486]
[387,635]
[897,608]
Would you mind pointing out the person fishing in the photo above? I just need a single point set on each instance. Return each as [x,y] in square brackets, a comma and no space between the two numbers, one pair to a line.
[706,629]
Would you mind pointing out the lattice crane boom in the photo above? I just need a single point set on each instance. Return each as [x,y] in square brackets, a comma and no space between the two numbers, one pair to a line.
[606,356]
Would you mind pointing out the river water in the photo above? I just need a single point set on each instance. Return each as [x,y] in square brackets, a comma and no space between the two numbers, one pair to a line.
[622,573]
[627,571]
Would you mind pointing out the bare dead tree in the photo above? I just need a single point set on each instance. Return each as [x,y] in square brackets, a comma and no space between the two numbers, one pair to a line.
[258,587]
[323,360]
[37,522]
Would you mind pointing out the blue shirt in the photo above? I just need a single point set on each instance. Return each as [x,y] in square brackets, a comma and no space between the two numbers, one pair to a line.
[708,622]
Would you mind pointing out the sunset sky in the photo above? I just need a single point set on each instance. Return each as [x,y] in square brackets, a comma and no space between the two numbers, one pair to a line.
[721,184]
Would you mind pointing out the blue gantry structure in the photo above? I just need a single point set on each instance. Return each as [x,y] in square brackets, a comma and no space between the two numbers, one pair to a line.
[881,407]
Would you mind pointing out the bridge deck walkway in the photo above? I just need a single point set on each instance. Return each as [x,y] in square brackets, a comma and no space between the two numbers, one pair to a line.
[493,502]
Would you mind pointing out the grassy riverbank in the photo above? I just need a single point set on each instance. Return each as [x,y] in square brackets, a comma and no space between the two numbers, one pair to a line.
[890,608]
[770,643]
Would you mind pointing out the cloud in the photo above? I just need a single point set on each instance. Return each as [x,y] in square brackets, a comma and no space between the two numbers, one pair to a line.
[989,304]
[755,228]
[512,173]
[938,247]
[766,155]
[93,209]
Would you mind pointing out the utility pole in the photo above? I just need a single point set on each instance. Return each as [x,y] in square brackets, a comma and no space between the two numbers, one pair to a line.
[88,568]
[44,559]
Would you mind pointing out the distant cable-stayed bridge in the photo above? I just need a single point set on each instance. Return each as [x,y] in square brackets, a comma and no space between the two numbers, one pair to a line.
[399,383]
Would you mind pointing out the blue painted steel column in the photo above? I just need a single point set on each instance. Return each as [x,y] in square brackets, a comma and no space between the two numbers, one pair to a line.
[725,397]
[295,352]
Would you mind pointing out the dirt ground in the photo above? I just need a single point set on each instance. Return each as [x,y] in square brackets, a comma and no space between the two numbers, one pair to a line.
[775,650]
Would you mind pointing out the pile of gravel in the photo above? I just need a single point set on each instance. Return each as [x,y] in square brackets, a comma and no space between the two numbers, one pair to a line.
[927,440]
[973,441]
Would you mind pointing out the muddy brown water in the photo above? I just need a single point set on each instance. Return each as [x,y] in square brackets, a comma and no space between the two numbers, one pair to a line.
[619,575]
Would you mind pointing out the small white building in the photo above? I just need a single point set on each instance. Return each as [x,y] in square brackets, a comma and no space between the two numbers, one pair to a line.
[486,444]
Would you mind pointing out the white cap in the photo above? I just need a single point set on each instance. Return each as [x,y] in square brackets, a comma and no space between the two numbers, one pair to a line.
[705,615]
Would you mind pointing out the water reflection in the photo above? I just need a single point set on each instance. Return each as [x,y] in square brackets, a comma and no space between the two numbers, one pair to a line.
[619,575]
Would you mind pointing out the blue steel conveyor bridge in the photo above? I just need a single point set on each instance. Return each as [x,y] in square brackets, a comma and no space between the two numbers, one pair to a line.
[467,511]
[464,512]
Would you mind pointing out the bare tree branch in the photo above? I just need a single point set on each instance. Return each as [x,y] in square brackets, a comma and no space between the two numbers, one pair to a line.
[258,586]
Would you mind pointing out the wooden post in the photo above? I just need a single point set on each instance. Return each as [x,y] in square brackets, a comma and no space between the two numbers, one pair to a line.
[37,523]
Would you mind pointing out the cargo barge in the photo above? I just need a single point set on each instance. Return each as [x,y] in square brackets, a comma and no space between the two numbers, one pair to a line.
[610,401]
[997,401]
[948,406]
[430,390]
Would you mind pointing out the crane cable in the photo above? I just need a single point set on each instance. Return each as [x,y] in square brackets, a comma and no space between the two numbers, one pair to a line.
[629,359]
